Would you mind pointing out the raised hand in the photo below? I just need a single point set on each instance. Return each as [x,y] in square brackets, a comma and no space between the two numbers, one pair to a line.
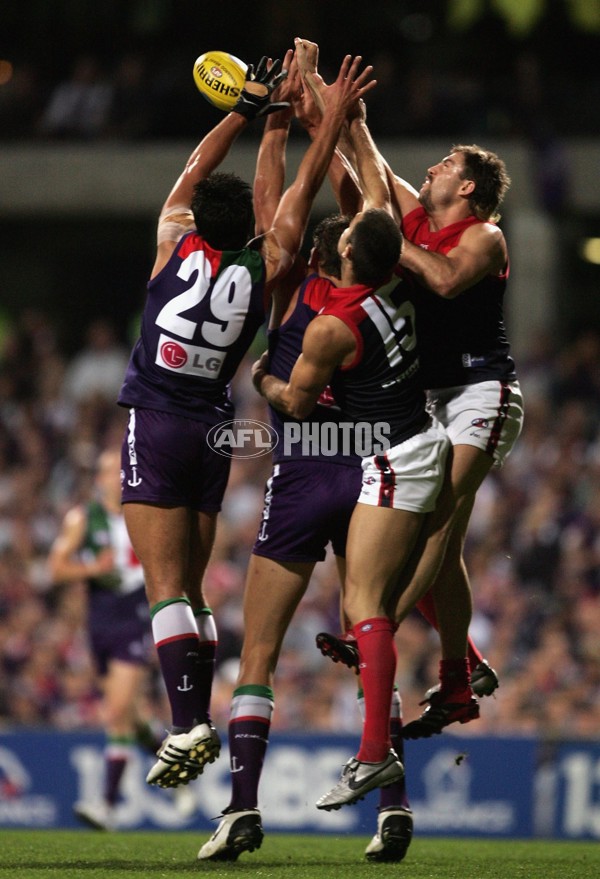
[307,55]
[254,100]
[288,92]
[347,90]
[306,110]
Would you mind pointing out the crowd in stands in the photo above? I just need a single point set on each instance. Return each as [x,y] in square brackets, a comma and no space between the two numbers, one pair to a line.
[533,551]
[485,71]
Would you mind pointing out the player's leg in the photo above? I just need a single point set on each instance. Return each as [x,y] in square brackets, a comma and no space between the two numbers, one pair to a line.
[451,589]
[394,820]
[379,541]
[202,539]
[272,593]
[172,489]
[451,593]
[120,686]
[483,421]
[161,538]
[478,443]
[398,490]
[307,504]
[484,680]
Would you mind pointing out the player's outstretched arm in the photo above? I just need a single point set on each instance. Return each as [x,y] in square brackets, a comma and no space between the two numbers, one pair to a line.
[283,242]
[214,147]
[269,177]
[308,110]
[176,217]
[370,167]
[327,344]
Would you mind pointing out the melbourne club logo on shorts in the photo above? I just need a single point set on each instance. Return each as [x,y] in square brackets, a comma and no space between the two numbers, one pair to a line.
[242,438]
[479,424]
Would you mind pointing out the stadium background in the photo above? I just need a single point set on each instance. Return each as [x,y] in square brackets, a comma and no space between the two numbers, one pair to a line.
[79,195]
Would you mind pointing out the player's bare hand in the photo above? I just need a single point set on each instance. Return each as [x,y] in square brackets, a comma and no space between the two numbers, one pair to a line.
[307,54]
[349,87]
[357,111]
[259,370]
[290,88]
[306,110]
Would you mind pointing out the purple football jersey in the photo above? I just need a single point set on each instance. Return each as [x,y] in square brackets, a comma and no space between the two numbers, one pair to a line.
[202,312]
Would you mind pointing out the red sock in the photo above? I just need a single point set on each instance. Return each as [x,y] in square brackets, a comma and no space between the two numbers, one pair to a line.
[426,608]
[455,676]
[473,653]
[378,659]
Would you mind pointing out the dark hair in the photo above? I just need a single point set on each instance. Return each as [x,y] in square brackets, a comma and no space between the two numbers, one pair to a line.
[376,246]
[488,172]
[223,210]
[326,237]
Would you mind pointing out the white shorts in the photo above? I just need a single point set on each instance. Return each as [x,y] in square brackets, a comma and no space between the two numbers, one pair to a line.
[487,415]
[408,476]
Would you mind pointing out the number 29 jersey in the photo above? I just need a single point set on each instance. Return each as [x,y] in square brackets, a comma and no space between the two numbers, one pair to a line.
[202,312]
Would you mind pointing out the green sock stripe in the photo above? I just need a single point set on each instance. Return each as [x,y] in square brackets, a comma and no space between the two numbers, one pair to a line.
[204,611]
[162,604]
[255,690]
[121,740]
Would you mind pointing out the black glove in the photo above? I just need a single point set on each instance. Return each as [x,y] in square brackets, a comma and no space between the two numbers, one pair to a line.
[251,105]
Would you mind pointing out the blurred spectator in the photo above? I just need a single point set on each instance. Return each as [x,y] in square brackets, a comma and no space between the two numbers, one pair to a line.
[579,373]
[79,106]
[98,369]
[130,114]
[21,101]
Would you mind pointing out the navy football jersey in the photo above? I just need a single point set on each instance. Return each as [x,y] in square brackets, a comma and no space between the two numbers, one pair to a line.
[462,341]
[382,384]
[318,435]
[202,312]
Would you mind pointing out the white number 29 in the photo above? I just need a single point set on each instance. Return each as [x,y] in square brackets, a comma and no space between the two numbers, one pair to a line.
[229,300]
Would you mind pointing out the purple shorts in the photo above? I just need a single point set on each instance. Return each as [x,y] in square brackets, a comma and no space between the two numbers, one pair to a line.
[307,505]
[166,459]
[119,627]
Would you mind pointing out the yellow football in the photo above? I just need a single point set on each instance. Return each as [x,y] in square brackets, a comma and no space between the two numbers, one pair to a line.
[220,77]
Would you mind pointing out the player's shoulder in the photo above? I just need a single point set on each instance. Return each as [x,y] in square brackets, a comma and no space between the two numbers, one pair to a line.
[328,336]
[487,237]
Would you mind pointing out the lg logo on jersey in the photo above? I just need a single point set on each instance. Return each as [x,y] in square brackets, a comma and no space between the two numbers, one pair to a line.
[189,359]
[173,354]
